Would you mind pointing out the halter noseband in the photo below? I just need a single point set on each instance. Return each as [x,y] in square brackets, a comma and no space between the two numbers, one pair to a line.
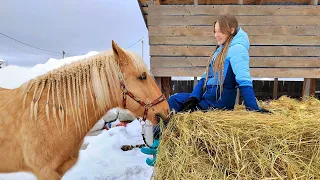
[125,92]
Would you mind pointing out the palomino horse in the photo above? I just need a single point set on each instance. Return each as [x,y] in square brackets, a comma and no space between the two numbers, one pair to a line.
[44,122]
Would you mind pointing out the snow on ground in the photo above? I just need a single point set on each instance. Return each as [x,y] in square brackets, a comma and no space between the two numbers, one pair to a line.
[102,159]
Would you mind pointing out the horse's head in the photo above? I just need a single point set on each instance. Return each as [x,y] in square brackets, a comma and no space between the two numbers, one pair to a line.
[141,94]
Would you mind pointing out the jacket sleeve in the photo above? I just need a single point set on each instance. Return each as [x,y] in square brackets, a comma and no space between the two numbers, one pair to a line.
[240,65]
[197,91]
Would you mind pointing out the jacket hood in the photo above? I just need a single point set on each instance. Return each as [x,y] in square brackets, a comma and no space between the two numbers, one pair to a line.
[241,38]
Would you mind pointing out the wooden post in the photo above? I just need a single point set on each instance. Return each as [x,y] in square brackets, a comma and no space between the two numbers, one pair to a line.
[158,81]
[166,86]
[309,87]
[195,82]
[164,83]
[313,86]
[313,82]
[306,87]
[275,88]
[195,2]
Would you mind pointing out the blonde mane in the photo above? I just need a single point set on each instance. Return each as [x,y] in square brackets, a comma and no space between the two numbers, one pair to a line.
[65,89]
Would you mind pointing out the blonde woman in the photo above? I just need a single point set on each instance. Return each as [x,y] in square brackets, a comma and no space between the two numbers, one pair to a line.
[227,70]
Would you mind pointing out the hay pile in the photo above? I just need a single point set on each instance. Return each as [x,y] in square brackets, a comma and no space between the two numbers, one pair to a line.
[244,145]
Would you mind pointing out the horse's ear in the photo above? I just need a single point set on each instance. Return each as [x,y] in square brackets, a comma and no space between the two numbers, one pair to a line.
[119,55]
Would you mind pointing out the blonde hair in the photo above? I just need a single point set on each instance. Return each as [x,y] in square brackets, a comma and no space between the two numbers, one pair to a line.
[226,23]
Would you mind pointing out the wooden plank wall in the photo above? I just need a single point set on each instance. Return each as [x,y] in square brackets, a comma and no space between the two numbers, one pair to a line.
[285,40]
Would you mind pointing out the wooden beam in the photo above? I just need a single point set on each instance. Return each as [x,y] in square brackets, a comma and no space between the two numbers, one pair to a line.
[174,31]
[313,87]
[243,20]
[245,10]
[195,81]
[255,72]
[254,40]
[142,13]
[240,2]
[298,51]
[170,62]
[306,87]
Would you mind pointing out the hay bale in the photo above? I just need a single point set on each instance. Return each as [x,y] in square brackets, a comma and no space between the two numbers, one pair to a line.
[244,145]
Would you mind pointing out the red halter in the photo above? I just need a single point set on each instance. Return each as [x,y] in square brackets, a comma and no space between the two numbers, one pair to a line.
[125,92]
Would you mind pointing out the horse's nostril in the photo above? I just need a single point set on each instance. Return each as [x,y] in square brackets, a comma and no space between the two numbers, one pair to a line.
[160,117]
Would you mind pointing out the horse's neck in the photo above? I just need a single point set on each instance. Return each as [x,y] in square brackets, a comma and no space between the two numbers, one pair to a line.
[74,105]
[95,113]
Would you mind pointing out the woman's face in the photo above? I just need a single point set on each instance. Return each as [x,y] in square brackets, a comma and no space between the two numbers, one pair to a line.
[220,37]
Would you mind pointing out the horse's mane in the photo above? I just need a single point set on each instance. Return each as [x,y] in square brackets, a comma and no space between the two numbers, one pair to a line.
[65,89]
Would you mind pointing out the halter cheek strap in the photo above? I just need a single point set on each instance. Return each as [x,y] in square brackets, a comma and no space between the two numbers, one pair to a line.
[125,92]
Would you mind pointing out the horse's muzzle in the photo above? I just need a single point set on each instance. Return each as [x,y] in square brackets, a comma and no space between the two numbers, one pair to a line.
[164,119]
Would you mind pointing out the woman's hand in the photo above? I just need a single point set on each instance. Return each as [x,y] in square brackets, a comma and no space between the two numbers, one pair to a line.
[261,110]
[189,104]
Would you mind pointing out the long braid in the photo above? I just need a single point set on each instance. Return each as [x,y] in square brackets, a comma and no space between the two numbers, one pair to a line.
[35,109]
[218,66]
[208,69]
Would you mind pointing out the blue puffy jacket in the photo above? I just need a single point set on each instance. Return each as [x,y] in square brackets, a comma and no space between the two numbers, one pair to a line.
[236,75]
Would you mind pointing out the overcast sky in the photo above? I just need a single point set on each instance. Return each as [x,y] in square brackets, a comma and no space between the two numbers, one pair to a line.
[75,26]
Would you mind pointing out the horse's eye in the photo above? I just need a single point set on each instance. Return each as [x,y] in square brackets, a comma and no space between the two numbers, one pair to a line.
[143,76]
